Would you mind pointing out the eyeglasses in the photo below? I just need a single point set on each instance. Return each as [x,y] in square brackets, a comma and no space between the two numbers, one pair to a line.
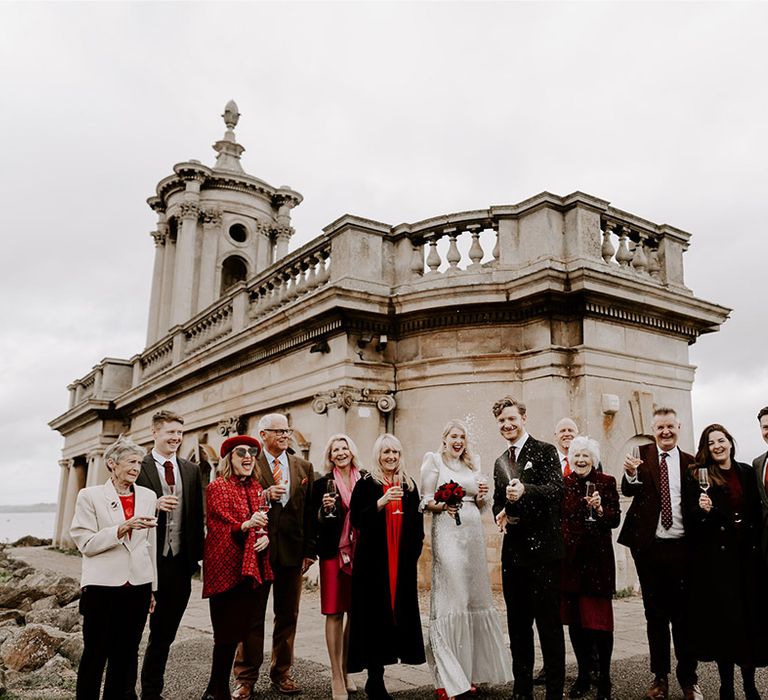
[279,431]
[242,451]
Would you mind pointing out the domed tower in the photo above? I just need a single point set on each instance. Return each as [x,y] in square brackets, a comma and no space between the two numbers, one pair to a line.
[215,227]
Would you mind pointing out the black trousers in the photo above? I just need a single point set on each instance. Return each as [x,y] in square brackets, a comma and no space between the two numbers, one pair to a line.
[662,570]
[113,620]
[532,594]
[174,585]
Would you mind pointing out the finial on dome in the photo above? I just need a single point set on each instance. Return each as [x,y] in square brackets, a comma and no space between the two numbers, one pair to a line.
[228,149]
[231,114]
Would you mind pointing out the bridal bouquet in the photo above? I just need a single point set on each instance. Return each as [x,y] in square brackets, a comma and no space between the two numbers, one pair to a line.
[452,494]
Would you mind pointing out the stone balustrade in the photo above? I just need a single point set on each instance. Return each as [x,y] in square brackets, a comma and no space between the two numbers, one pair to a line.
[369,260]
[213,325]
[300,273]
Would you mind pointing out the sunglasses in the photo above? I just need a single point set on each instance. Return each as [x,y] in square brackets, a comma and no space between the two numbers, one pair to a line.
[242,451]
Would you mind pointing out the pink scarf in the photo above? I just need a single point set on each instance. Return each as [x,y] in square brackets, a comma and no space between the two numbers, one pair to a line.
[348,538]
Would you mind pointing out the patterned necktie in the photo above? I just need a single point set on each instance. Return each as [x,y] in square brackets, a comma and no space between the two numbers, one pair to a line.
[512,458]
[567,469]
[666,502]
[170,477]
[277,472]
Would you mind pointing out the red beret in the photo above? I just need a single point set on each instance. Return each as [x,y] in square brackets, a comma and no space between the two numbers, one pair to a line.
[231,442]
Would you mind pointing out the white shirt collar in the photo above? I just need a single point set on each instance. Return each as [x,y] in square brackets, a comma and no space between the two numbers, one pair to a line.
[160,460]
[520,443]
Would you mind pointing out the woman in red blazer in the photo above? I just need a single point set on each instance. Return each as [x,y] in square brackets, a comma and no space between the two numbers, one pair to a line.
[235,557]
[589,569]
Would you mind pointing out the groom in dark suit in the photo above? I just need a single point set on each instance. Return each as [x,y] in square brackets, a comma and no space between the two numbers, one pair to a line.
[528,489]
[179,490]
[760,465]
[653,530]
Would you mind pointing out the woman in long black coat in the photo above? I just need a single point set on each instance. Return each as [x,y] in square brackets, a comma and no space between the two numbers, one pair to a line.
[589,570]
[722,525]
[385,625]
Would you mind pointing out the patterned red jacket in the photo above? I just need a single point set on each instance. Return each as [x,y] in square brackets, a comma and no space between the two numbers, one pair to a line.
[229,556]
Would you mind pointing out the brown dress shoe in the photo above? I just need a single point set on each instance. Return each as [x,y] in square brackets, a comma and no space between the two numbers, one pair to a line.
[659,689]
[243,691]
[693,692]
[286,686]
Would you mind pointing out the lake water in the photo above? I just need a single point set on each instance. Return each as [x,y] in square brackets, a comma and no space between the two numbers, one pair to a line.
[15,525]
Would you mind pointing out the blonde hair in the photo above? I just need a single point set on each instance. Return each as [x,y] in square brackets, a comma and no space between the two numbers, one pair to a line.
[376,472]
[224,467]
[467,456]
[340,437]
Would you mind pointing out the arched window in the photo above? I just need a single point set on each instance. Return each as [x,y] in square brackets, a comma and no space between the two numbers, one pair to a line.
[233,270]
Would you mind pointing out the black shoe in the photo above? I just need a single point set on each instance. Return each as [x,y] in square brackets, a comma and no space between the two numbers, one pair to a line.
[541,679]
[580,688]
[376,690]
[603,690]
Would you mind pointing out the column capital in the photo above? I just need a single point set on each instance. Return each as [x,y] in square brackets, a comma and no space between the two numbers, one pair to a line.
[159,237]
[346,396]
[189,210]
[211,216]
[65,463]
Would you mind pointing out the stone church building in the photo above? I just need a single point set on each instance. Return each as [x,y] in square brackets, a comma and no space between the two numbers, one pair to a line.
[570,304]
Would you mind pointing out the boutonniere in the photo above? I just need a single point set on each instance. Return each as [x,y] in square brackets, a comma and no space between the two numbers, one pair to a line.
[113,505]
[528,465]
[304,481]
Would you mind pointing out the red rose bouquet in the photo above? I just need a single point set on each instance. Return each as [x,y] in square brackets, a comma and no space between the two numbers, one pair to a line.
[452,494]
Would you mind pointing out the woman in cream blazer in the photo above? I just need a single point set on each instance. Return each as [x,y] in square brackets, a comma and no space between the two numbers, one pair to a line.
[114,529]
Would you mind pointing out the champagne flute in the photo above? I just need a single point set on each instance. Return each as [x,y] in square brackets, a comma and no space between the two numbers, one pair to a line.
[330,489]
[263,504]
[704,479]
[481,480]
[169,518]
[590,492]
[637,461]
[397,482]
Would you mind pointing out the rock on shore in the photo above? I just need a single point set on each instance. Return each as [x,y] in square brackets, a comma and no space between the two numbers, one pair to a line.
[40,631]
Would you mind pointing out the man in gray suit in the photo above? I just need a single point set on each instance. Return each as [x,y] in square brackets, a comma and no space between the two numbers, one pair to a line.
[760,465]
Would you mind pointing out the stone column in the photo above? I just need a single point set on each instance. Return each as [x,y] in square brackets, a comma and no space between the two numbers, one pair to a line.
[206,290]
[97,468]
[75,482]
[282,237]
[166,293]
[64,465]
[182,300]
[153,329]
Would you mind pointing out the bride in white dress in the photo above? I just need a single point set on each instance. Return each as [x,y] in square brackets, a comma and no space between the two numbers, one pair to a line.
[465,645]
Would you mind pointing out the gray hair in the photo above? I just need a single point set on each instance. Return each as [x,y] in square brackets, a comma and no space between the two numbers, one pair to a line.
[582,442]
[120,448]
[266,421]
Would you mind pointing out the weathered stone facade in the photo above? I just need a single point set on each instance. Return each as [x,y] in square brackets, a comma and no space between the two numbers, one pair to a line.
[572,305]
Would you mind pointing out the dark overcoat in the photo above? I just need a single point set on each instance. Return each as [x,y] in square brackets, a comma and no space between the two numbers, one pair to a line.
[758,464]
[378,636]
[728,613]
[589,567]
[328,530]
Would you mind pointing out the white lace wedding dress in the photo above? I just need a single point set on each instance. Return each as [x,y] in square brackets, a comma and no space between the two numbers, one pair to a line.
[465,643]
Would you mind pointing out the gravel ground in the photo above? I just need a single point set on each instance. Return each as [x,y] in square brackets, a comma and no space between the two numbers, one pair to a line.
[188,675]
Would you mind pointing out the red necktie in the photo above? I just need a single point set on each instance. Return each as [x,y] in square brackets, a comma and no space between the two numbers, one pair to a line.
[567,469]
[666,502]
[170,477]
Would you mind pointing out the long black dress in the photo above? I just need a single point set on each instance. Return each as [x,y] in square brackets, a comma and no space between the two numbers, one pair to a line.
[728,615]
[377,637]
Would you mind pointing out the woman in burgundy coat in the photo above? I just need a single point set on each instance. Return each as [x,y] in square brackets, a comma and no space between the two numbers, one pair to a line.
[590,511]
[235,557]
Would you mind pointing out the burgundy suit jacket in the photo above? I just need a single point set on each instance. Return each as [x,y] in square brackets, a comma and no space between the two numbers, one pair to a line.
[639,527]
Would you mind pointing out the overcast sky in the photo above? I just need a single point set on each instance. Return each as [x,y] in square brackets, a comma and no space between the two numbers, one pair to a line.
[396,112]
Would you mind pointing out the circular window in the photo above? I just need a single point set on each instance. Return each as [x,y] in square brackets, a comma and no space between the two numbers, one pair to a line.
[238,233]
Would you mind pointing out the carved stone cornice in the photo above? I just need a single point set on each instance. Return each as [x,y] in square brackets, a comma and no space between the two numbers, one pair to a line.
[346,396]
[233,425]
